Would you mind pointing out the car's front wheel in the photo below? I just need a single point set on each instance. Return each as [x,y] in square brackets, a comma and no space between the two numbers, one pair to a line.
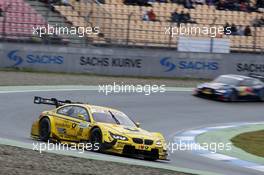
[151,158]
[44,129]
[233,97]
[96,139]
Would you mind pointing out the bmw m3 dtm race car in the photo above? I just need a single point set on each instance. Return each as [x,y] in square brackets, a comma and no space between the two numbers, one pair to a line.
[112,130]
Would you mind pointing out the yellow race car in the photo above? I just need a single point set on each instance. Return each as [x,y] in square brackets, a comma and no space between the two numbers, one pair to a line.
[112,130]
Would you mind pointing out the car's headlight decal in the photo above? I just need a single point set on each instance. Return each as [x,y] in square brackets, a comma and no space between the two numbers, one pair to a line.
[118,137]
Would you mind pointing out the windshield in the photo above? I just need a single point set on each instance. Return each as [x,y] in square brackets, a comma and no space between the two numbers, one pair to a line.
[227,80]
[114,117]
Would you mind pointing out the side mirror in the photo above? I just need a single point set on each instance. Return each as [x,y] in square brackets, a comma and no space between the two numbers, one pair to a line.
[80,116]
[137,124]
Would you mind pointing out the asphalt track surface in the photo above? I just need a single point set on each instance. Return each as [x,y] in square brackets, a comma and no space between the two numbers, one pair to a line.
[168,113]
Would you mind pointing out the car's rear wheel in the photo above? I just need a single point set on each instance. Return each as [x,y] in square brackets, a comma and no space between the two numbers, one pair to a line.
[96,139]
[44,129]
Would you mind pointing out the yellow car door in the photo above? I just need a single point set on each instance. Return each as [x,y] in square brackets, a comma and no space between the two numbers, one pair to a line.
[66,124]
[72,123]
[83,127]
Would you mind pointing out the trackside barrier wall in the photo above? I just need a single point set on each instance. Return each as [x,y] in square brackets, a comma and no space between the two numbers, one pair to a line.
[128,61]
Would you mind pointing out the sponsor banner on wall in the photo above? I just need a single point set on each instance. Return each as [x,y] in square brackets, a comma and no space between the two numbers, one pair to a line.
[243,67]
[29,59]
[128,62]
[190,67]
[151,66]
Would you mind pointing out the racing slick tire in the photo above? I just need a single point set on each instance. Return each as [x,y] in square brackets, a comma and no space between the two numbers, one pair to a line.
[44,129]
[96,139]
[150,158]
[261,97]
[233,97]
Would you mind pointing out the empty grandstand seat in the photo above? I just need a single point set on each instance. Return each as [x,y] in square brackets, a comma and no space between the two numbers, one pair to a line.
[19,19]
[113,17]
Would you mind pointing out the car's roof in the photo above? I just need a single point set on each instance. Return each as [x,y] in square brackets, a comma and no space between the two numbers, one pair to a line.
[238,77]
[95,107]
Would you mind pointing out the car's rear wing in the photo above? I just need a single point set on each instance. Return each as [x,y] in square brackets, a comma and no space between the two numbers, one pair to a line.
[257,76]
[52,101]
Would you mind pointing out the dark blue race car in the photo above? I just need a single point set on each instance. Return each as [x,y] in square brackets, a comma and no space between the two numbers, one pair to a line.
[233,88]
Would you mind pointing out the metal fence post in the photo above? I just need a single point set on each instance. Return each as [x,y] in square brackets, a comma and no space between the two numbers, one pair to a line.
[128,27]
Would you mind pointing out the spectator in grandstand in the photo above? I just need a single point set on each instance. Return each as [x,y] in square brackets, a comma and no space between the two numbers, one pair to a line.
[142,2]
[258,22]
[185,18]
[57,2]
[175,16]
[145,16]
[53,1]
[101,1]
[129,2]
[260,4]
[226,27]
[162,1]
[181,17]
[151,1]
[236,6]
[243,6]
[46,1]
[159,1]
[1,12]
[233,29]
[210,2]
[220,5]
[240,31]
[188,4]
[65,2]
[199,1]
[247,31]
[137,2]
[151,15]
[262,21]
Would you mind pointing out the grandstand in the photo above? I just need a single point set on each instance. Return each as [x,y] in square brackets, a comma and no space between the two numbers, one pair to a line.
[122,24]
[17,19]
